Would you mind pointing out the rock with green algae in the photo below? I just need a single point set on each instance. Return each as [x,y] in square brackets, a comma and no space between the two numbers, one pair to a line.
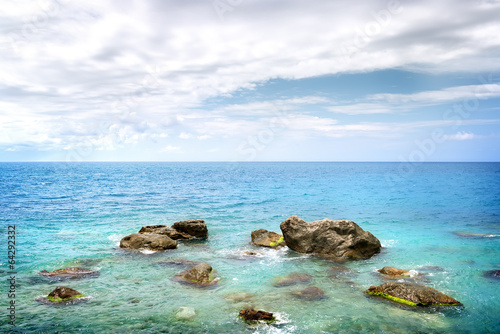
[266,238]
[61,295]
[412,294]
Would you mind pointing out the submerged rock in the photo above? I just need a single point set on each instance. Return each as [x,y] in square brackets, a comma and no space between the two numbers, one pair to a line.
[250,315]
[412,294]
[238,297]
[266,238]
[185,313]
[195,227]
[292,279]
[495,274]
[178,263]
[68,273]
[394,272]
[171,232]
[62,295]
[309,293]
[338,238]
[155,242]
[475,235]
[340,271]
[199,275]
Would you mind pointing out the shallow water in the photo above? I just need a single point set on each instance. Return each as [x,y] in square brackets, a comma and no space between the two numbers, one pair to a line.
[76,214]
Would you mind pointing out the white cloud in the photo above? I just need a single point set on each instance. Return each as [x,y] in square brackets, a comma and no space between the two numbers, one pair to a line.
[460,136]
[170,148]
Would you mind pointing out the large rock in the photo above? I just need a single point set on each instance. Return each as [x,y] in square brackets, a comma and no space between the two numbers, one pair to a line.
[62,295]
[199,275]
[68,273]
[266,238]
[337,238]
[250,315]
[195,227]
[171,232]
[412,294]
[155,242]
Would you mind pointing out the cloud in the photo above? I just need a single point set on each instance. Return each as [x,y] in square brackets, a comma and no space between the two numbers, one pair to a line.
[170,148]
[460,136]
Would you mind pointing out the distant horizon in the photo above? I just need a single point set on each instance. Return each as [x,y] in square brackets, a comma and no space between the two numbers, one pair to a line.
[254,161]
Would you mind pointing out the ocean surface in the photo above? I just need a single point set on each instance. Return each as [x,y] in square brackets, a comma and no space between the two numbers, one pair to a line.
[74,214]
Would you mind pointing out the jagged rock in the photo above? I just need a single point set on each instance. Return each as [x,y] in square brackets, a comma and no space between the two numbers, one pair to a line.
[412,294]
[391,271]
[200,275]
[266,238]
[250,315]
[195,227]
[62,295]
[171,232]
[153,242]
[292,279]
[337,238]
[309,293]
[68,273]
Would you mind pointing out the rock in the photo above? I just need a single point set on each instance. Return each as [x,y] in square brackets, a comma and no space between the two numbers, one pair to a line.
[195,227]
[199,275]
[391,271]
[238,297]
[340,271]
[62,294]
[292,279]
[412,294]
[495,274]
[309,293]
[337,238]
[68,273]
[250,315]
[153,242]
[178,263]
[185,313]
[267,239]
[171,232]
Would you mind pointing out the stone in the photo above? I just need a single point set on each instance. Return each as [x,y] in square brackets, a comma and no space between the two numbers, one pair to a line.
[153,242]
[292,279]
[266,238]
[340,271]
[195,227]
[336,238]
[495,274]
[251,315]
[171,232]
[200,275]
[238,297]
[391,271]
[68,273]
[309,293]
[185,313]
[178,263]
[62,294]
[412,294]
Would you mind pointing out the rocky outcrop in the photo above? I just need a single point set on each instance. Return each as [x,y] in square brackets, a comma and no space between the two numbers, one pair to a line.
[336,238]
[291,279]
[251,315]
[266,238]
[155,242]
[195,227]
[200,275]
[394,272]
[171,232]
[412,294]
[62,295]
[68,273]
[309,293]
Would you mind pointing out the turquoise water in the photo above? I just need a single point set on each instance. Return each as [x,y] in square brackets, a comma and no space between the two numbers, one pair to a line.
[76,214]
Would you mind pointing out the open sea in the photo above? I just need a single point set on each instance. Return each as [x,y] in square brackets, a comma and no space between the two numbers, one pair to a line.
[74,214]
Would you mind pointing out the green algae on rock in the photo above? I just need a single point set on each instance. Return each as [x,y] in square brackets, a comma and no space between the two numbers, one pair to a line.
[412,294]
[201,275]
[266,238]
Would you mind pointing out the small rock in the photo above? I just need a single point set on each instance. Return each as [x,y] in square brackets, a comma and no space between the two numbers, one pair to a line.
[62,295]
[155,242]
[68,273]
[195,227]
[292,279]
[250,315]
[200,275]
[340,271]
[267,239]
[185,313]
[309,293]
[391,271]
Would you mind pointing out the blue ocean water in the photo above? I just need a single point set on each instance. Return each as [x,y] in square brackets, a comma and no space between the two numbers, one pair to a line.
[74,214]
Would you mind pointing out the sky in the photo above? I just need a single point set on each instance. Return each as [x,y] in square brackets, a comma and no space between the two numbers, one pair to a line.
[250,80]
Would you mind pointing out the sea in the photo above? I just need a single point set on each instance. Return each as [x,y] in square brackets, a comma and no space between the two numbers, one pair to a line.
[439,220]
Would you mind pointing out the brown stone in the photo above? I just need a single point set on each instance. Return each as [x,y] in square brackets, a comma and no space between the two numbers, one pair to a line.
[68,273]
[309,293]
[171,232]
[292,279]
[195,227]
[266,238]
[155,242]
[391,271]
[199,275]
[254,315]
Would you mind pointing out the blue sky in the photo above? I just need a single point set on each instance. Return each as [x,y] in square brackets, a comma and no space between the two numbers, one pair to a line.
[249,80]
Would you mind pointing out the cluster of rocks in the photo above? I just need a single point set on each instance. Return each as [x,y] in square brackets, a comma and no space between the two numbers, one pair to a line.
[163,237]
